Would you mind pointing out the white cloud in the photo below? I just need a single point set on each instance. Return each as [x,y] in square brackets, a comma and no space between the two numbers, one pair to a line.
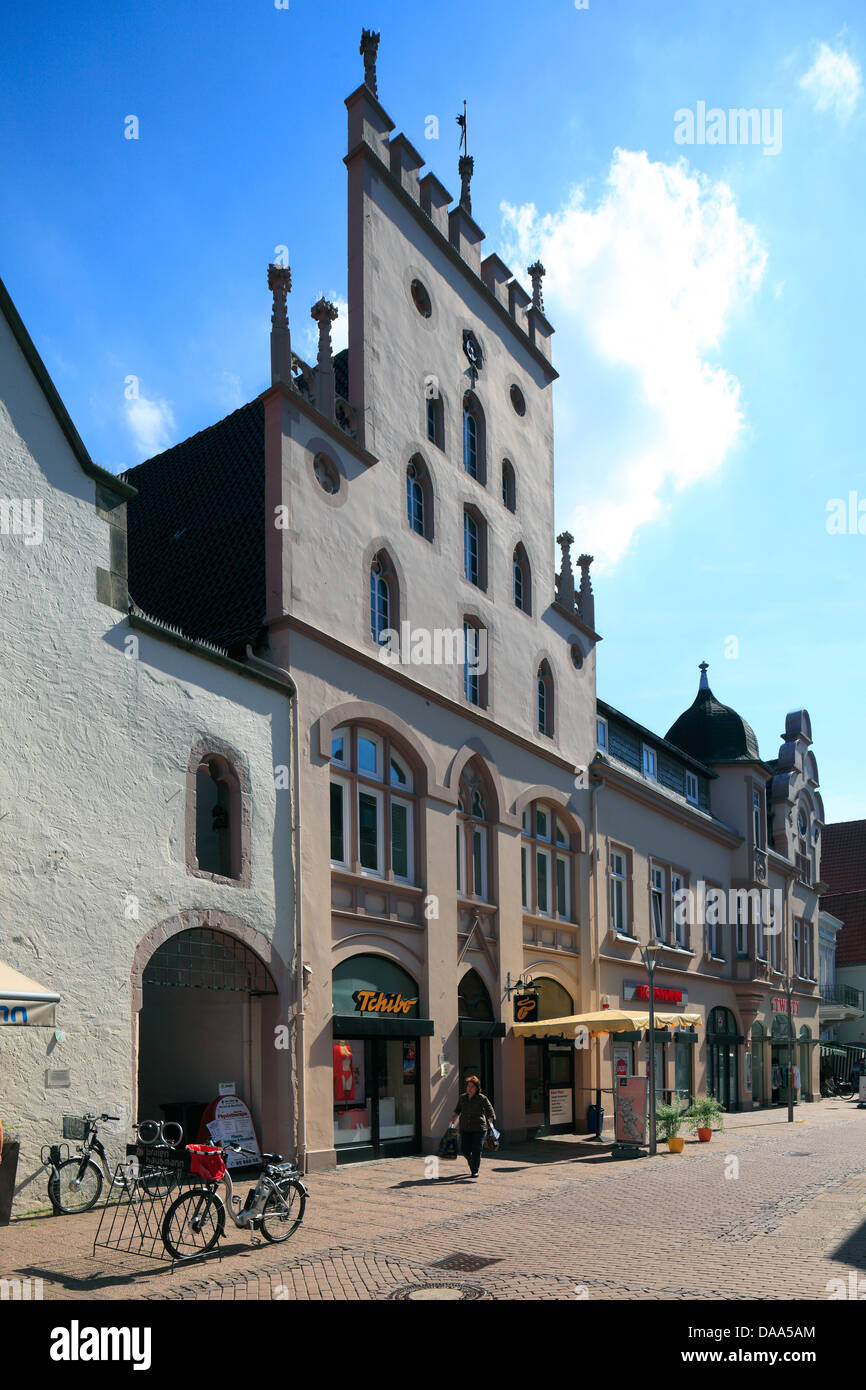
[151,424]
[834,82]
[641,289]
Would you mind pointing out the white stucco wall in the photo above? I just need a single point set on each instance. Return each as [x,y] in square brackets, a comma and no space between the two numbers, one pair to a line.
[98,732]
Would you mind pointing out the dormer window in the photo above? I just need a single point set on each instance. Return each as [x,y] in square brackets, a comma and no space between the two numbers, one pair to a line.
[649,762]
[691,788]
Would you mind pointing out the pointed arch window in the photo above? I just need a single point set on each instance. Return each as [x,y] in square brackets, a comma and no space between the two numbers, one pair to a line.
[419,499]
[217,818]
[544,699]
[474,438]
[509,486]
[521,580]
[384,605]
[473,837]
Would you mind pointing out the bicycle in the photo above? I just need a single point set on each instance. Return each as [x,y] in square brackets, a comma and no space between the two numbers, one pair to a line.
[196,1219]
[75,1184]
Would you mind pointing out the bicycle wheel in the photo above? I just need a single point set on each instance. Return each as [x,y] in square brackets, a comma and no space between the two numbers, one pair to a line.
[193,1224]
[75,1187]
[282,1215]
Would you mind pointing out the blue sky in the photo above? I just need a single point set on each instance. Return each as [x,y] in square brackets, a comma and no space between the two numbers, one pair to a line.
[708,298]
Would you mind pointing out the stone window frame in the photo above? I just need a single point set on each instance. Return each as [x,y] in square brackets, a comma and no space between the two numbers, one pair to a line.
[240,811]
[627,879]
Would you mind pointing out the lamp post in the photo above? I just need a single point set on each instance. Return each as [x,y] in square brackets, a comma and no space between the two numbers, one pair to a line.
[649,955]
[789,996]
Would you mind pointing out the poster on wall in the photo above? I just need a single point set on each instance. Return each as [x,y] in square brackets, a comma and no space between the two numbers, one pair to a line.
[561,1110]
[228,1121]
[630,1109]
[409,1064]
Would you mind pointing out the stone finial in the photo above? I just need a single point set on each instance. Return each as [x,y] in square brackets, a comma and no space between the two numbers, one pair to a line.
[585,599]
[280,283]
[324,313]
[703,668]
[536,273]
[465,167]
[369,50]
[565,578]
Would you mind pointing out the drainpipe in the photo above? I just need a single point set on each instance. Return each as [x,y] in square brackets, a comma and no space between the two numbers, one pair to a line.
[596,788]
[278,673]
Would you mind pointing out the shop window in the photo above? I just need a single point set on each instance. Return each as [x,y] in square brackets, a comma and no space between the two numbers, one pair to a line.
[373,806]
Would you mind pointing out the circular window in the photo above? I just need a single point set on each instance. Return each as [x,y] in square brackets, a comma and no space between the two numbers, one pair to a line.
[326,474]
[576,656]
[517,400]
[421,299]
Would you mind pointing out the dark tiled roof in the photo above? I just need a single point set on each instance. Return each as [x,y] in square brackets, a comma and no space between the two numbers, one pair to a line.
[197,531]
[843,856]
[713,732]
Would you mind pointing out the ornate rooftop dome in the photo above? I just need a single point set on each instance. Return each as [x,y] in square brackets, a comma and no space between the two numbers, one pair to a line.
[712,732]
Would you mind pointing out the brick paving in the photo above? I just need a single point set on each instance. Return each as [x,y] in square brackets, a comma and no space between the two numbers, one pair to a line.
[766,1211]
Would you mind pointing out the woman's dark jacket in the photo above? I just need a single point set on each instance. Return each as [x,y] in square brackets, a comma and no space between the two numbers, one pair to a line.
[475,1112]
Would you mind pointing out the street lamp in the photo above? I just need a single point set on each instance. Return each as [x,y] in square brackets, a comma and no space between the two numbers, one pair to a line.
[649,955]
[789,996]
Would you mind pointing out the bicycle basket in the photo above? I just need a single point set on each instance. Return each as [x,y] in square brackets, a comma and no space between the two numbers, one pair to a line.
[206,1162]
[74,1127]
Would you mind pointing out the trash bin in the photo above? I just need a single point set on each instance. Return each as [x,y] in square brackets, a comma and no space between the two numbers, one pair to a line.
[8,1169]
[592,1125]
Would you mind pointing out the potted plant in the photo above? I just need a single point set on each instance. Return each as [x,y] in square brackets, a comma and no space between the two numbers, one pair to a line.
[669,1116]
[705,1113]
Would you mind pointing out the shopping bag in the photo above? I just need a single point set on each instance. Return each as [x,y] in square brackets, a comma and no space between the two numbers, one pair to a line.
[491,1139]
[448,1144]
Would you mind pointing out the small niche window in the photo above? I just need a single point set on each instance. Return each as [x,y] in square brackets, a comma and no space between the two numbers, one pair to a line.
[327,474]
[518,400]
[434,412]
[509,486]
[544,699]
[217,818]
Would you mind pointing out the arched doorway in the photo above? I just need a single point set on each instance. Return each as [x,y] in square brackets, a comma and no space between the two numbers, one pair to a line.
[208,1008]
[478,1026]
[723,1042]
[548,1066]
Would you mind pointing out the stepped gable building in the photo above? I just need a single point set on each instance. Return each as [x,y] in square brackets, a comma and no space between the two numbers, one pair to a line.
[380,526]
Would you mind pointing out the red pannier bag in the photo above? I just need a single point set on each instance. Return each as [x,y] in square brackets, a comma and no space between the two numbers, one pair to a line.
[206,1162]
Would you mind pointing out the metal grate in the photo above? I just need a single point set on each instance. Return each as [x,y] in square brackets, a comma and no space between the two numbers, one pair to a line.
[207,959]
[467,1263]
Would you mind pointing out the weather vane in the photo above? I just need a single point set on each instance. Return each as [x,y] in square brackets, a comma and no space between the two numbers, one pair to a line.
[464,131]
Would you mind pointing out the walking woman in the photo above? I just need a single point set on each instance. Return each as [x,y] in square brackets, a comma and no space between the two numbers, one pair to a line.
[475,1114]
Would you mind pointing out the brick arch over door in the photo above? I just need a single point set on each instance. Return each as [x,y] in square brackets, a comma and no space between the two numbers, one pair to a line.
[276,1063]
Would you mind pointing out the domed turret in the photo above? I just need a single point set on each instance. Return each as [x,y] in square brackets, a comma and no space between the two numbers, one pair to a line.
[712,732]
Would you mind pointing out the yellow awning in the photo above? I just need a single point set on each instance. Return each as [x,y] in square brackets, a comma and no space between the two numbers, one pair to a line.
[23,1001]
[605,1021]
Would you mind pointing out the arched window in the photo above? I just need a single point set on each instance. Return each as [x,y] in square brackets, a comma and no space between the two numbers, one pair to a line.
[435,413]
[473,999]
[419,499]
[547,864]
[522,579]
[553,1000]
[509,486]
[217,818]
[544,697]
[475,662]
[373,804]
[475,547]
[383,596]
[473,837]
[474,438]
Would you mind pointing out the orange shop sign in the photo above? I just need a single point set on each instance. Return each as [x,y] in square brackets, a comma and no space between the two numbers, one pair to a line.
[375,1001]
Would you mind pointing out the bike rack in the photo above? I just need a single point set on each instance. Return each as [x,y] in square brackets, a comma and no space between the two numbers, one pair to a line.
[132,1225]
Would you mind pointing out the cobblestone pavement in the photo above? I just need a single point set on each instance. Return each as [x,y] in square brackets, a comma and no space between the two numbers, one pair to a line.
[766,1211]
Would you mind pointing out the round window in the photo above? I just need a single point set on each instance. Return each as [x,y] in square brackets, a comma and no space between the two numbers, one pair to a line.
[576,656]
[326,474]
[517,400]
[421,299]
